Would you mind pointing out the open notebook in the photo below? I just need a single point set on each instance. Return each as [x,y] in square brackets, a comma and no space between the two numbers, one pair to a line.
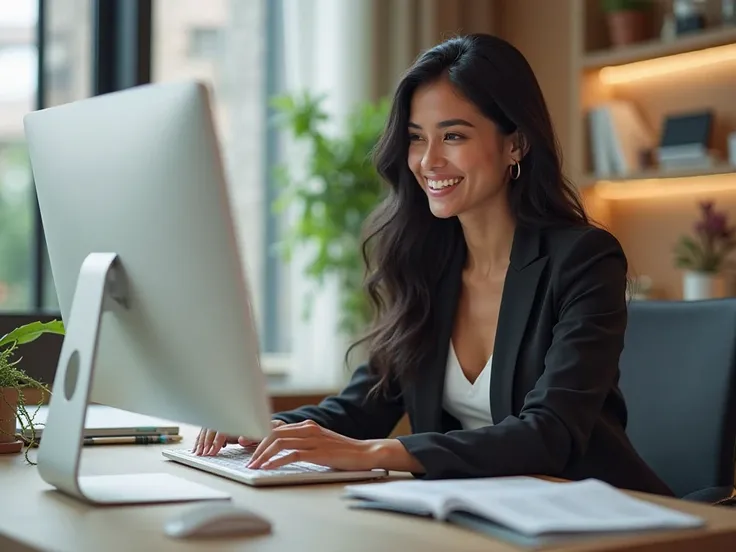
[526,507]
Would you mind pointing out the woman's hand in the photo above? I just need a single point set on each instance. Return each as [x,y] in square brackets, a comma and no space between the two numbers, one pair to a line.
[309,442]
[209,442]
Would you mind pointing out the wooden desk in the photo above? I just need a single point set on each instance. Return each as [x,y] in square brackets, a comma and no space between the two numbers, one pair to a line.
[305,518]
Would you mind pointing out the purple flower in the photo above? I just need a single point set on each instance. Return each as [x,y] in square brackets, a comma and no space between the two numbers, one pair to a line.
[712,243]
[714,224]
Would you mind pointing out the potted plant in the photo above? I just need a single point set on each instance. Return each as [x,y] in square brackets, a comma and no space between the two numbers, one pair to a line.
[16,386]
[332,194]
[628,20]
[703,256]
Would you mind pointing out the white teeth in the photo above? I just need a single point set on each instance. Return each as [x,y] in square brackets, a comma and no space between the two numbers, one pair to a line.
[439,184]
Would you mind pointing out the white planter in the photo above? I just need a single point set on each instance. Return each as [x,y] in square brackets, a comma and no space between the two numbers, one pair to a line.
[702,285]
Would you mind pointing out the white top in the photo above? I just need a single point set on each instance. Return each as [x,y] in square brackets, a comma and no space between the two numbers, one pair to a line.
[469,402]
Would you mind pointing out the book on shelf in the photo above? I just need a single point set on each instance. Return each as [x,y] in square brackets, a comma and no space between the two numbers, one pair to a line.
[525,510]
[618,139]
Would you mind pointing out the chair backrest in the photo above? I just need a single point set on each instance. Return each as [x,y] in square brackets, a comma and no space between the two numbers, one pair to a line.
[678,377]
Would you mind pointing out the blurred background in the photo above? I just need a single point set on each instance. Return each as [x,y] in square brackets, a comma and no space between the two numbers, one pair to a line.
[641,93]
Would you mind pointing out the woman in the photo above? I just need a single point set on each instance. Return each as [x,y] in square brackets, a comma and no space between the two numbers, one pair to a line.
[501,309]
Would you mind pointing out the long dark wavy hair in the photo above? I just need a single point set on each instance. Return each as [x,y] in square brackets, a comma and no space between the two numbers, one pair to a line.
[407,250]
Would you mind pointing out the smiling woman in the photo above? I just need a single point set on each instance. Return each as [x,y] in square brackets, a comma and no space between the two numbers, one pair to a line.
[500,310]
[466,149]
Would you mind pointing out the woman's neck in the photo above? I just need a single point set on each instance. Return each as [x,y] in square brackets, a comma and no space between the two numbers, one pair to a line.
[489,236]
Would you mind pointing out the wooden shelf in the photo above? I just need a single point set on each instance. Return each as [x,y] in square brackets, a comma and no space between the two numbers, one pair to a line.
[656,174]
[656,49]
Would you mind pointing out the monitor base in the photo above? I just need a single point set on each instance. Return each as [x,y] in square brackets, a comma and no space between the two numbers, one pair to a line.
[101,286]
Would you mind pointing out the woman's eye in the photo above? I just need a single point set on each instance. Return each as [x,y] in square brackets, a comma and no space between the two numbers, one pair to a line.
[414,137]
[451,136]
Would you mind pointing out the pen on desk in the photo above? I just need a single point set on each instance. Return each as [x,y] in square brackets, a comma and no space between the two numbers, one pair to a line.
[132,440]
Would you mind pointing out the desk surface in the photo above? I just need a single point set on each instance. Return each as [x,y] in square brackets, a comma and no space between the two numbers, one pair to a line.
[305,518]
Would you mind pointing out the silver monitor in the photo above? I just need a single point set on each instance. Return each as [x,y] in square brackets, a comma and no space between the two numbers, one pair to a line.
[149,279]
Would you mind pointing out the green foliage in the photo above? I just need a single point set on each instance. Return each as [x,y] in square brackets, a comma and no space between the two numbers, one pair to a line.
[13,377]
[332,194]
[625,5]
[16,222]
[31,332]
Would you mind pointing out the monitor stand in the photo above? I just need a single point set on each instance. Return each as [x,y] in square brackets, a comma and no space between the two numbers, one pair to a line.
[101,286]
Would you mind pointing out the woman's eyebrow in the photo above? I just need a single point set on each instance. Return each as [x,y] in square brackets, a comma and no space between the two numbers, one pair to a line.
[445,124]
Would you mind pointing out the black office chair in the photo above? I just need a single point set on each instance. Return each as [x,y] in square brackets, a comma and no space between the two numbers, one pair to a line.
[678,376]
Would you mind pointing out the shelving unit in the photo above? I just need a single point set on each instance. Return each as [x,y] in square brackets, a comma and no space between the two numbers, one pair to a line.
[566,42]
[654,49]
[657,174]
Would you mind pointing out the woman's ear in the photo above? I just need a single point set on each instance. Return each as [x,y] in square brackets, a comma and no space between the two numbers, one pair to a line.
[519,146]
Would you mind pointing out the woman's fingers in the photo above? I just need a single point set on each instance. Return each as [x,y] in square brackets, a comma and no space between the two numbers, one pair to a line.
[204,441]
[294,445]
[209,442]
[246,442]
[288,458]
[303,429]
[217,443]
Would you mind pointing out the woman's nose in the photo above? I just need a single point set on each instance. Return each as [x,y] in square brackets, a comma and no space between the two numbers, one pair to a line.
[432,158]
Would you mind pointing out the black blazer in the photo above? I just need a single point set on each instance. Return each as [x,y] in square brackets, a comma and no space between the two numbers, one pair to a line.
[555,401]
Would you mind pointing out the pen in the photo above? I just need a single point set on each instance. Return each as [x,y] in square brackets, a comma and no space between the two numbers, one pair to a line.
[132,440]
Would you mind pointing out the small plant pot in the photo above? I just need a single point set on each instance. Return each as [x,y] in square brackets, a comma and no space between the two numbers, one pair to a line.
[627,27]
[8,407]
[698,286]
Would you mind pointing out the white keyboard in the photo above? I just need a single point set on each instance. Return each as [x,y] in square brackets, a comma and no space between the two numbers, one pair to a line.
[230,462]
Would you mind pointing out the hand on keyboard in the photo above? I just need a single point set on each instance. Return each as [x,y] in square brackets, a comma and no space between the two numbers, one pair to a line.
[209,442]
[308,442]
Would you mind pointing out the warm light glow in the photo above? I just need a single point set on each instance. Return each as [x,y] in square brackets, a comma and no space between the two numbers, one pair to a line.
[667,65]
[664,187]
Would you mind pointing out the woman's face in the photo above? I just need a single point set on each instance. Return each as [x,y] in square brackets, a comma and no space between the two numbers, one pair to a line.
[458,156]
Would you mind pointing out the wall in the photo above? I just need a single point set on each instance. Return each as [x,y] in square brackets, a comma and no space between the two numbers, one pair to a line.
[543,32]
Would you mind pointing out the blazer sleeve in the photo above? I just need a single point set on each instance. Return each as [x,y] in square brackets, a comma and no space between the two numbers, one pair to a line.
[354,412]
[581,366]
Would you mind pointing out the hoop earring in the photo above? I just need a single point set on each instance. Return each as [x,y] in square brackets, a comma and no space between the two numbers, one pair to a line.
[516,166]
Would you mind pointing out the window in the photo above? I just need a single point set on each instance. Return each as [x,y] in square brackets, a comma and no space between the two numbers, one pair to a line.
[64,49]
[226,44]
[18,73]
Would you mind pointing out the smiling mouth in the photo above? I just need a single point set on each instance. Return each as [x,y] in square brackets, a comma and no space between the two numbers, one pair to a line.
[443,184]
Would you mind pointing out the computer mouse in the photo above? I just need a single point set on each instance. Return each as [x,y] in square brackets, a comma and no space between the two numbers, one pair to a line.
[215,520]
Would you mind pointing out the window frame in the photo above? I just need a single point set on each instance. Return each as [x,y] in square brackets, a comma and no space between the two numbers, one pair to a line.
[121,43]
[122,38]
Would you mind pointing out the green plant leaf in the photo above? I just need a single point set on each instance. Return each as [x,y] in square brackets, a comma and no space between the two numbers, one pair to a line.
[31,332]
[337,189]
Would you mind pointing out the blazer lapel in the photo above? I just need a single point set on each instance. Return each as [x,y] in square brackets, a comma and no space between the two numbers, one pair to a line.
[522,278]
[520,286]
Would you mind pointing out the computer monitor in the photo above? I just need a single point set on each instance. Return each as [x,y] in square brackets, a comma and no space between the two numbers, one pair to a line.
[149,278]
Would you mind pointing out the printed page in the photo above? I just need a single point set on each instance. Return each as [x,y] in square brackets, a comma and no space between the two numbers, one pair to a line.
[438,496]
[584,506]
